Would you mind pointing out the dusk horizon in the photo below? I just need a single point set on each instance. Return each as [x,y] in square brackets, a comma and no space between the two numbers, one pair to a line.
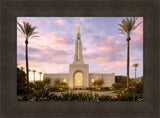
[104,49]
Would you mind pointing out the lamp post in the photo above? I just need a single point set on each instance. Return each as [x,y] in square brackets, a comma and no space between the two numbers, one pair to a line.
[34,75]
[40,75]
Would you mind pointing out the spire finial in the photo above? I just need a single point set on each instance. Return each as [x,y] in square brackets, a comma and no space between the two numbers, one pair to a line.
[78,28]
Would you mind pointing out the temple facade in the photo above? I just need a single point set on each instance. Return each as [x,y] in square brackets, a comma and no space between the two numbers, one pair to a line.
[79,76]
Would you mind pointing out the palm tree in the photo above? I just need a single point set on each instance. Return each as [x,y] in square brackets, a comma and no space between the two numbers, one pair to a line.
[29,70]
[135,65]
[28,32]
[34,74]
[126,27]
[40,75]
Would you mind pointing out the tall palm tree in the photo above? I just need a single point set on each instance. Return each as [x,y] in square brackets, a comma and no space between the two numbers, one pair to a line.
[29,70]
[126,27]
[40,75]
[135,65]
[34,74]
[28,32]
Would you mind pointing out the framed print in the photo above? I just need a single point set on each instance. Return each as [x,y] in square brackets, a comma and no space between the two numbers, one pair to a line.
[96,66]
[61,12]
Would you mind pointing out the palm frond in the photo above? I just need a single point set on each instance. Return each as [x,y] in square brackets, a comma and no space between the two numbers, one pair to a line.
[136,25]
[27,30]
[127,25]
[21,29]
[34,36]
[31,30]
[135,65]
[121,31]
[122,26]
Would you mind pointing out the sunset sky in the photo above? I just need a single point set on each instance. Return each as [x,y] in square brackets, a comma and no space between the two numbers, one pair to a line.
[104,49]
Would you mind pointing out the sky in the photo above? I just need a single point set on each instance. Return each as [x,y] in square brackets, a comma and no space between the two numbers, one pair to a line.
[104,48]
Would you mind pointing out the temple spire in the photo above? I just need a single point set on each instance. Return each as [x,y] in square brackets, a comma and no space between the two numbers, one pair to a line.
[78,28]
[78,57]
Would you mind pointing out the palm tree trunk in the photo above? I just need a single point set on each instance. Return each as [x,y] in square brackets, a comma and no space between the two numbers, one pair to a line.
[34,77]
[135,73]
[27,66]
[40,77]
[127,64]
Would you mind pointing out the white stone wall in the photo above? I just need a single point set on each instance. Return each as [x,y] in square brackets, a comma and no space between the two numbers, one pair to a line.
[84,68]
[54,76]
[109,79]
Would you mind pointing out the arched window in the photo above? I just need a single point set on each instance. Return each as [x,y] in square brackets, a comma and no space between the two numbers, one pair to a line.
[78,78]
[64,80]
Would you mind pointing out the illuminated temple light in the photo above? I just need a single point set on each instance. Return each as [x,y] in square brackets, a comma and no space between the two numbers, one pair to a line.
[64,80]
[78,79]
[93,80]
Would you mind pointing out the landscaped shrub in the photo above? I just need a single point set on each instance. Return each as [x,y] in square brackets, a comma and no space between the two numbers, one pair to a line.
[98,83]
[133,94]
[89,88]
[39,94]
[129,95]
[139,88]
[60,85]
[39,85]
[132,82]
[70,96]
[57,83]
[63,85]
[31,85]
[120,82]
[21,91]
[21,78]
[105,98]
[25,98]
[118,86]
[46,81]
[121,79]
[55,89]
[105,88]
[54,97]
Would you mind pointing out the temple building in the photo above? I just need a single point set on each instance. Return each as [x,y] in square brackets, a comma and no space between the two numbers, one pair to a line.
[79,76]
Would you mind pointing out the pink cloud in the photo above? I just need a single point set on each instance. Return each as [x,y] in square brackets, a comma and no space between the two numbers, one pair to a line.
[115,66]
[57,40]
[107,51]
[82,19]
[56,46]
[59,21]
[49,48]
